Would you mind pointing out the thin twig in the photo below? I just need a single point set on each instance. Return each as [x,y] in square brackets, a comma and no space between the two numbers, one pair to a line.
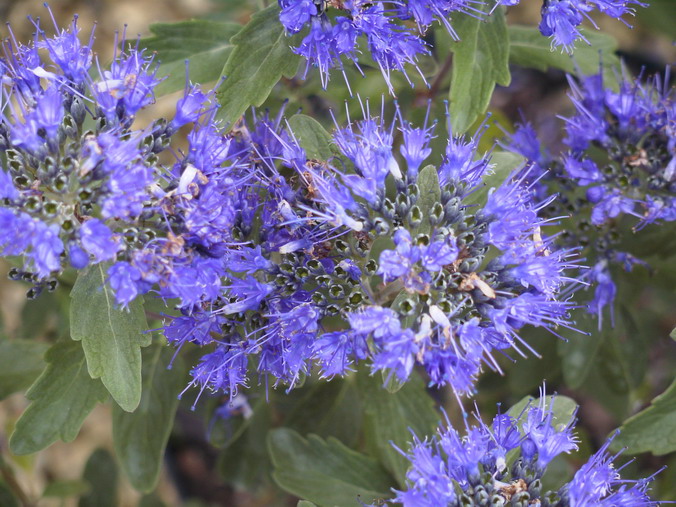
[438,80]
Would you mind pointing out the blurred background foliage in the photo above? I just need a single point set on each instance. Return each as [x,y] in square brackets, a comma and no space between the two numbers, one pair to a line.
[213,461]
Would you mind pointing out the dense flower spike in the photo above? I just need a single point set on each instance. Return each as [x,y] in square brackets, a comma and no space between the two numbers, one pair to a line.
[622,155]
[450,470]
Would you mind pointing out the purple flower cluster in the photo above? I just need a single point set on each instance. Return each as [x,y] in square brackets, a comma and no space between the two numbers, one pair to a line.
[78,181]
[274,259]
[393,44]
[622,155]
[561,19]
[393,31]
[503,464]
[282,261]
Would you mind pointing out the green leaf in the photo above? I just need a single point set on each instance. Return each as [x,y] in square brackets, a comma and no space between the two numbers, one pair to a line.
[152,500]
[672,335]
[20,364]
[480,61]
[111,337]
[329,409]
[528,48]
[312,137]
[430,194]
[653,429]
[658,17]
[563,409]
[262,55]
[140,437]
[61,398]
[37,315]
[390,418]
[504,164]
[305,503]
[205,43]
[527,374]
[101,474]
[245,463]
[7,498]
[580,351]
[325,472]
[65,489]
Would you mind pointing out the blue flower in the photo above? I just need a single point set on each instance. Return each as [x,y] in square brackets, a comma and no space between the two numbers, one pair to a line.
[48,112]
[612,204]
[17,232]
[336,351]
[450,470]
[295,13]
[47,248]
[190,107]
[598,482]
[66,51]
[560,19]
[415,148]
[605,291]
[7,188]
[199,328]
[77,256]
[98,240]
[543,439]
[392,44]
[125,280]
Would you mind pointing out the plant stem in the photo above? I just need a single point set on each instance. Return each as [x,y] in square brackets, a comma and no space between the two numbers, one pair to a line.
[10,479]
[438,81]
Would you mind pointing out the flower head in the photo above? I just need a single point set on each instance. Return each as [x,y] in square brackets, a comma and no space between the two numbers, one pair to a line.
[451,470]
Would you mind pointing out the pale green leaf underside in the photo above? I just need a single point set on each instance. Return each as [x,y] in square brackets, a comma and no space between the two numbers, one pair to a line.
[141,436]
[111,337]
[61,398]
[653,429]
[325,472]
[205,44]
[261,56]
[480,61]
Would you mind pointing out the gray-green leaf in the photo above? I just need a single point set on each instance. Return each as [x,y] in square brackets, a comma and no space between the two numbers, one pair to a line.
[326,472]
[390,418]
[563,408]
[528,48]
[111,337]
[504,164]
[262,55]
[101,474]
[329,409]
[430,194]
[480,61]
[140,437]
[65,489]
[206,44]
[579,351]
[312,137]
[20,364]
[653,429]
[61,399]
